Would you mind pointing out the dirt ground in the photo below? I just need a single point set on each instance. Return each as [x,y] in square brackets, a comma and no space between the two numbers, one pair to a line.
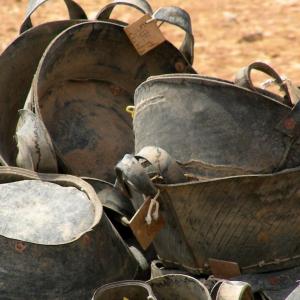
[228,33]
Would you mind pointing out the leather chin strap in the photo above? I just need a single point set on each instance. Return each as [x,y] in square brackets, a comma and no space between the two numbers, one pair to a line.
[131,172]
[243,79]
[290,124]
[172,15]
[74,9]
[180,18]
[141,5]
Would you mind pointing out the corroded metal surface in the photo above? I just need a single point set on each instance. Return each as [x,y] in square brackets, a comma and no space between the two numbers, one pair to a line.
[218,206]
[67,270]
[274,285]
[251,220]
[83,103]
[46,213]
[215,128]
[20,61]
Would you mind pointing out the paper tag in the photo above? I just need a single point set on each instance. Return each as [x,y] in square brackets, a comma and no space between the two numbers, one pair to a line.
[224,269]
[143,232]
[144,36]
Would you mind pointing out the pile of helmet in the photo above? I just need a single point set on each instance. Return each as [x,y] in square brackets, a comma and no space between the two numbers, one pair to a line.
[205,208]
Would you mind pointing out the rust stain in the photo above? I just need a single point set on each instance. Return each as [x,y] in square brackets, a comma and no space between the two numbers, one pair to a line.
[179,66]
[289,123]
[20,247]
[87,240]
[274,280]
[263,237]
[115,90]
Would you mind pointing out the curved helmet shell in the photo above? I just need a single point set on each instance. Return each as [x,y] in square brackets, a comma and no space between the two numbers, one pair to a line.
[18,64]
[227,129]
[250,216]
[82,87]
[65,249]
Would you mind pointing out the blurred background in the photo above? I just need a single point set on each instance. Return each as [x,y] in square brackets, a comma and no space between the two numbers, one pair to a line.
[228,34]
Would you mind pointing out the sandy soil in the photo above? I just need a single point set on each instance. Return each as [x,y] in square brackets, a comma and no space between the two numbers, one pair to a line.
[228,33]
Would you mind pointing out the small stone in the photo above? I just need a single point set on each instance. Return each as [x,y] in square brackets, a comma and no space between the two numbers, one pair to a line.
[251,37]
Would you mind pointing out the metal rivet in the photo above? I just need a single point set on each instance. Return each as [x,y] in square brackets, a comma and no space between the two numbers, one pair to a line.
[115,90]
[20,247]
[87,240]
[274,280]
[289,123]
[179,66]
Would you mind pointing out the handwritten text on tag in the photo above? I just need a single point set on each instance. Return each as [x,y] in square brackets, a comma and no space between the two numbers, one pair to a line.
[144,35]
